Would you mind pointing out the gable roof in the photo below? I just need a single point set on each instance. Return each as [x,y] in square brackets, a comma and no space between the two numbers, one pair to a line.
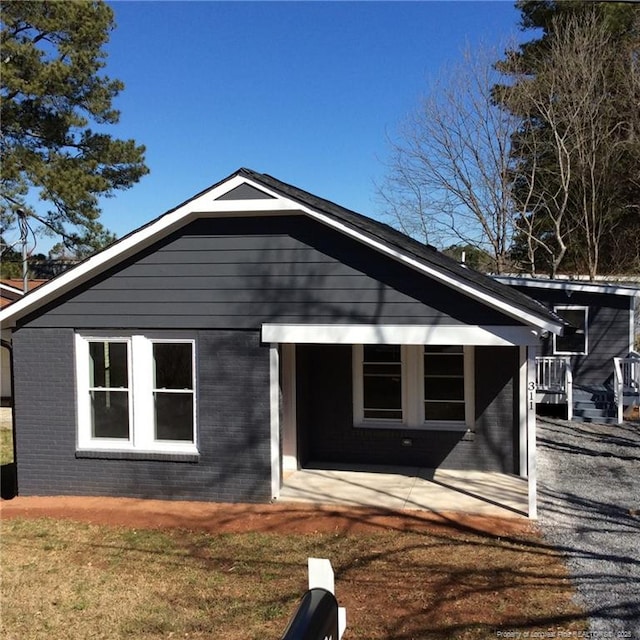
[247,192]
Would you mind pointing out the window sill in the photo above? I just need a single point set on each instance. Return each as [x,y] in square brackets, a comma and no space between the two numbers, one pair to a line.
[114,454]
[427,426]
[445,426]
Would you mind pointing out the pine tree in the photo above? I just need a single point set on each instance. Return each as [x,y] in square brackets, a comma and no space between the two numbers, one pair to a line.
[53,92]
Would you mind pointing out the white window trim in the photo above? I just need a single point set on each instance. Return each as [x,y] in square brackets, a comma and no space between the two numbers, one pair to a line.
[412,394]
[566,307]
[141,421]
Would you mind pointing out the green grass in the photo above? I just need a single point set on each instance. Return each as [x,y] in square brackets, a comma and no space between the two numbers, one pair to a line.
[6,436]
[63,580]
[6,446]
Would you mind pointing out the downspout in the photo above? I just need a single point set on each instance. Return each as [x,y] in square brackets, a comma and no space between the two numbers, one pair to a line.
[7,345]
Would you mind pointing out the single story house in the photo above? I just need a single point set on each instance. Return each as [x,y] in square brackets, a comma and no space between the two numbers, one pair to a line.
[257,328]
[583,368]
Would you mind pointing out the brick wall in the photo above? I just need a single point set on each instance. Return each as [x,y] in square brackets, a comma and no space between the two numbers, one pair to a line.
[232,415]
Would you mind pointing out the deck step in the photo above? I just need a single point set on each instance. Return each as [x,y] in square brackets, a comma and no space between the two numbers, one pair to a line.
[594,404]
[601,420]
[592,413]
[584,404]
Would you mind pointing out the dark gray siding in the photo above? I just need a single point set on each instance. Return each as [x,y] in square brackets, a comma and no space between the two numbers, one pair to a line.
[608,332]
[240,273]
[325,417]
[234,460]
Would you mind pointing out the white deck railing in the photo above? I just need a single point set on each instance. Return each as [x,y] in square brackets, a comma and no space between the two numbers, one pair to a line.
[554,375]
[627,381]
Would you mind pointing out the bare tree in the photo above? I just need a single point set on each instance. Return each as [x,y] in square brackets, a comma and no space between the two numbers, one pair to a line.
[574,140]
[449,173]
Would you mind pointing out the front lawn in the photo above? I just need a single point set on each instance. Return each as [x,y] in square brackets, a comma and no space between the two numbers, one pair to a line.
[6,446]
[6,437]
[63,579]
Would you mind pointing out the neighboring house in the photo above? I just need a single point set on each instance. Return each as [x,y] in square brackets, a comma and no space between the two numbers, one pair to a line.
[579,369]
[258,328]
[10,291]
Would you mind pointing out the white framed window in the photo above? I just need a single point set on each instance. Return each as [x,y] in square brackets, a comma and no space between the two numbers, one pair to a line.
[576,343]
[413,387]
[136,393]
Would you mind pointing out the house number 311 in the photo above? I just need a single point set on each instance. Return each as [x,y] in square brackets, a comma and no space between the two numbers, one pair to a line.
[532,388]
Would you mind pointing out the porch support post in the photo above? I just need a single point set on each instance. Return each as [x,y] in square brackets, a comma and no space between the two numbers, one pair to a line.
[274,380]
[522,413]
[289,421]
[532,480]
[569,389]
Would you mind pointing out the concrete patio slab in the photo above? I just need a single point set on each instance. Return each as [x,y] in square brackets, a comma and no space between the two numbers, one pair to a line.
[412,488]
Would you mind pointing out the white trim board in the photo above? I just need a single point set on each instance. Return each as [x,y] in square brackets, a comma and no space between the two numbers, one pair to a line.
[532,474]
[497,336]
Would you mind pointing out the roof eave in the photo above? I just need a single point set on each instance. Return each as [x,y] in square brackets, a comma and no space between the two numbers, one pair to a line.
[569,285]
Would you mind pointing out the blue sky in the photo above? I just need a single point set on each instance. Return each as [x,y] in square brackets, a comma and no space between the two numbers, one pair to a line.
[304,91]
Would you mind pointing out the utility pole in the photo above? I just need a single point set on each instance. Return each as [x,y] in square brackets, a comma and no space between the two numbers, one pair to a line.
[24,228]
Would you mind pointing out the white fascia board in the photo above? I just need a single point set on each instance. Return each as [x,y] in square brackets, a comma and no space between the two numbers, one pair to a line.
[202,205]
[569,285]
[499,336]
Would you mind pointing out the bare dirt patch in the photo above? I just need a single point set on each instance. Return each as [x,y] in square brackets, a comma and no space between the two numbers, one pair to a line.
[238,518]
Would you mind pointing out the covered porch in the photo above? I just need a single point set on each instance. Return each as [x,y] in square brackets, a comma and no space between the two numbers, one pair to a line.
[322,453]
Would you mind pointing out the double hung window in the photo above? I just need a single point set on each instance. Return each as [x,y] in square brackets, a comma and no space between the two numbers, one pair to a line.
[414,387]
[136,393]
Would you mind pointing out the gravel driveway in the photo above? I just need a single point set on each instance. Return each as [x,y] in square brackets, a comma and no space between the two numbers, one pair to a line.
[589,502]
